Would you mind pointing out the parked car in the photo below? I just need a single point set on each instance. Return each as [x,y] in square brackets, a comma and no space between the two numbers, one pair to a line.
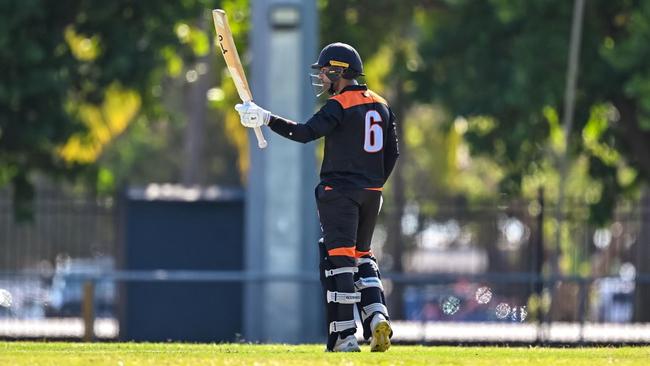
[615,301]
[23,298]
[66,293]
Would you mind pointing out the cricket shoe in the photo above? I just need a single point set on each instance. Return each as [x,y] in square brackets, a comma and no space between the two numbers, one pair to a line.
[347,344]
[381,333]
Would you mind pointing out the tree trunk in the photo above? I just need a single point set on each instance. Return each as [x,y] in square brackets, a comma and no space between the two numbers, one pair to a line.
[395,237]
[633,138]
[195,104]
[642,311]
[636,141]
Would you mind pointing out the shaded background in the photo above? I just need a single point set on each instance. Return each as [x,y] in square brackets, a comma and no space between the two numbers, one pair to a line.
[503,181]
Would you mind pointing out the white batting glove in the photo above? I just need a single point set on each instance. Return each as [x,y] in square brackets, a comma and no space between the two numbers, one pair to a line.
[251,115]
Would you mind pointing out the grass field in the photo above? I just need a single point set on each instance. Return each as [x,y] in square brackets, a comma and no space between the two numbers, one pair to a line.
[136,354]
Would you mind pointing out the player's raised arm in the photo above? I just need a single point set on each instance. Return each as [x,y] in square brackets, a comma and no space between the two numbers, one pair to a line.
[319,125]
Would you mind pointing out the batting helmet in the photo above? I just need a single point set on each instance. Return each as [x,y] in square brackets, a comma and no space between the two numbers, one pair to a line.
[342,55]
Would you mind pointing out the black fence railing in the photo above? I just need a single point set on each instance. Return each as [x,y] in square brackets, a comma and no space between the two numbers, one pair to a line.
[461,265]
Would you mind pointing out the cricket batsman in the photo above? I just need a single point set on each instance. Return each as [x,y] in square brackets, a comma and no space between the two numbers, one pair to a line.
[360,153]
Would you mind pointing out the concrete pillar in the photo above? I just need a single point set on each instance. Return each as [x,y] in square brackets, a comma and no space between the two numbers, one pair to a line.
[282,226]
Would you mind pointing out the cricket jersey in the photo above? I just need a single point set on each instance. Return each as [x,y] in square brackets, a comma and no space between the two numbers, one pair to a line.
[360,138]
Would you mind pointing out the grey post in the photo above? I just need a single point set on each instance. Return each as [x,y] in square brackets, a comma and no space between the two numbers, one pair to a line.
[281,219]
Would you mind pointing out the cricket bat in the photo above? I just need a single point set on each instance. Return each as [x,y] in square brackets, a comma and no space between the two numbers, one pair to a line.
[229,52]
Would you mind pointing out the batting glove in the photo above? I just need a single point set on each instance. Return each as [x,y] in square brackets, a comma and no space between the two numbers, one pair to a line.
[251,115]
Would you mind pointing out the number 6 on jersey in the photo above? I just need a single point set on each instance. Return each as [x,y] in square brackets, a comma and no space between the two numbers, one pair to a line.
[374,133]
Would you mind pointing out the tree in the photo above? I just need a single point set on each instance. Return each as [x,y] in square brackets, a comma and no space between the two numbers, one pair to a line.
[506,61]
[196,140]
[503,63]
[60,62]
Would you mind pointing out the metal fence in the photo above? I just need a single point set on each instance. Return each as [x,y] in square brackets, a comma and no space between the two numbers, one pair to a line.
[514,266]
[458,272]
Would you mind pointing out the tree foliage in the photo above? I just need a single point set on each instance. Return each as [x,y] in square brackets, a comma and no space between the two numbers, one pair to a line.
[76,73]
[101,86]
[505,62]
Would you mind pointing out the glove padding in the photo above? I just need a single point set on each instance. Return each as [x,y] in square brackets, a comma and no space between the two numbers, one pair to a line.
[251,115]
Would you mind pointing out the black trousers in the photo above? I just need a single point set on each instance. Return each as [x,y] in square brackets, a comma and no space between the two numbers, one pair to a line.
[348,218]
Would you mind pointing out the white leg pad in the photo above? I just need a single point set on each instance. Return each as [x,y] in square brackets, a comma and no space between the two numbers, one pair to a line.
[342,325]
[370,309]
[343,297]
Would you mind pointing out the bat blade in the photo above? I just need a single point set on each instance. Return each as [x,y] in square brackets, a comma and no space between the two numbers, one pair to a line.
[231,56]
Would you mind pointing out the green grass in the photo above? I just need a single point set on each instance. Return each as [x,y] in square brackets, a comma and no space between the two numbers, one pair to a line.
[137,354]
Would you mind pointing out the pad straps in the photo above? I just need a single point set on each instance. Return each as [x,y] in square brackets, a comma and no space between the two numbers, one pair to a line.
[369,261]
[339,326]
[366,282]
[335,271]
[370,309]
[343,297]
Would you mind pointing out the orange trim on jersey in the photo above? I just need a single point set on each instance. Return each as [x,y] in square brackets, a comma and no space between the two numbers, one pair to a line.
[328,188]
[377,97]
[347,252]
[359,254]
[353,98]
[375,189]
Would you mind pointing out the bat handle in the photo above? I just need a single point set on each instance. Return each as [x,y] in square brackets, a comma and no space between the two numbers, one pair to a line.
[261,141]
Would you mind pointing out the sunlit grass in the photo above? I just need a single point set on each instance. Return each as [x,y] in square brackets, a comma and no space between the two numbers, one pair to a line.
[135,354]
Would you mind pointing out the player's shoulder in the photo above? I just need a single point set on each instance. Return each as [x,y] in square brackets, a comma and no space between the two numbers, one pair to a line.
[378,98]
[354,98]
